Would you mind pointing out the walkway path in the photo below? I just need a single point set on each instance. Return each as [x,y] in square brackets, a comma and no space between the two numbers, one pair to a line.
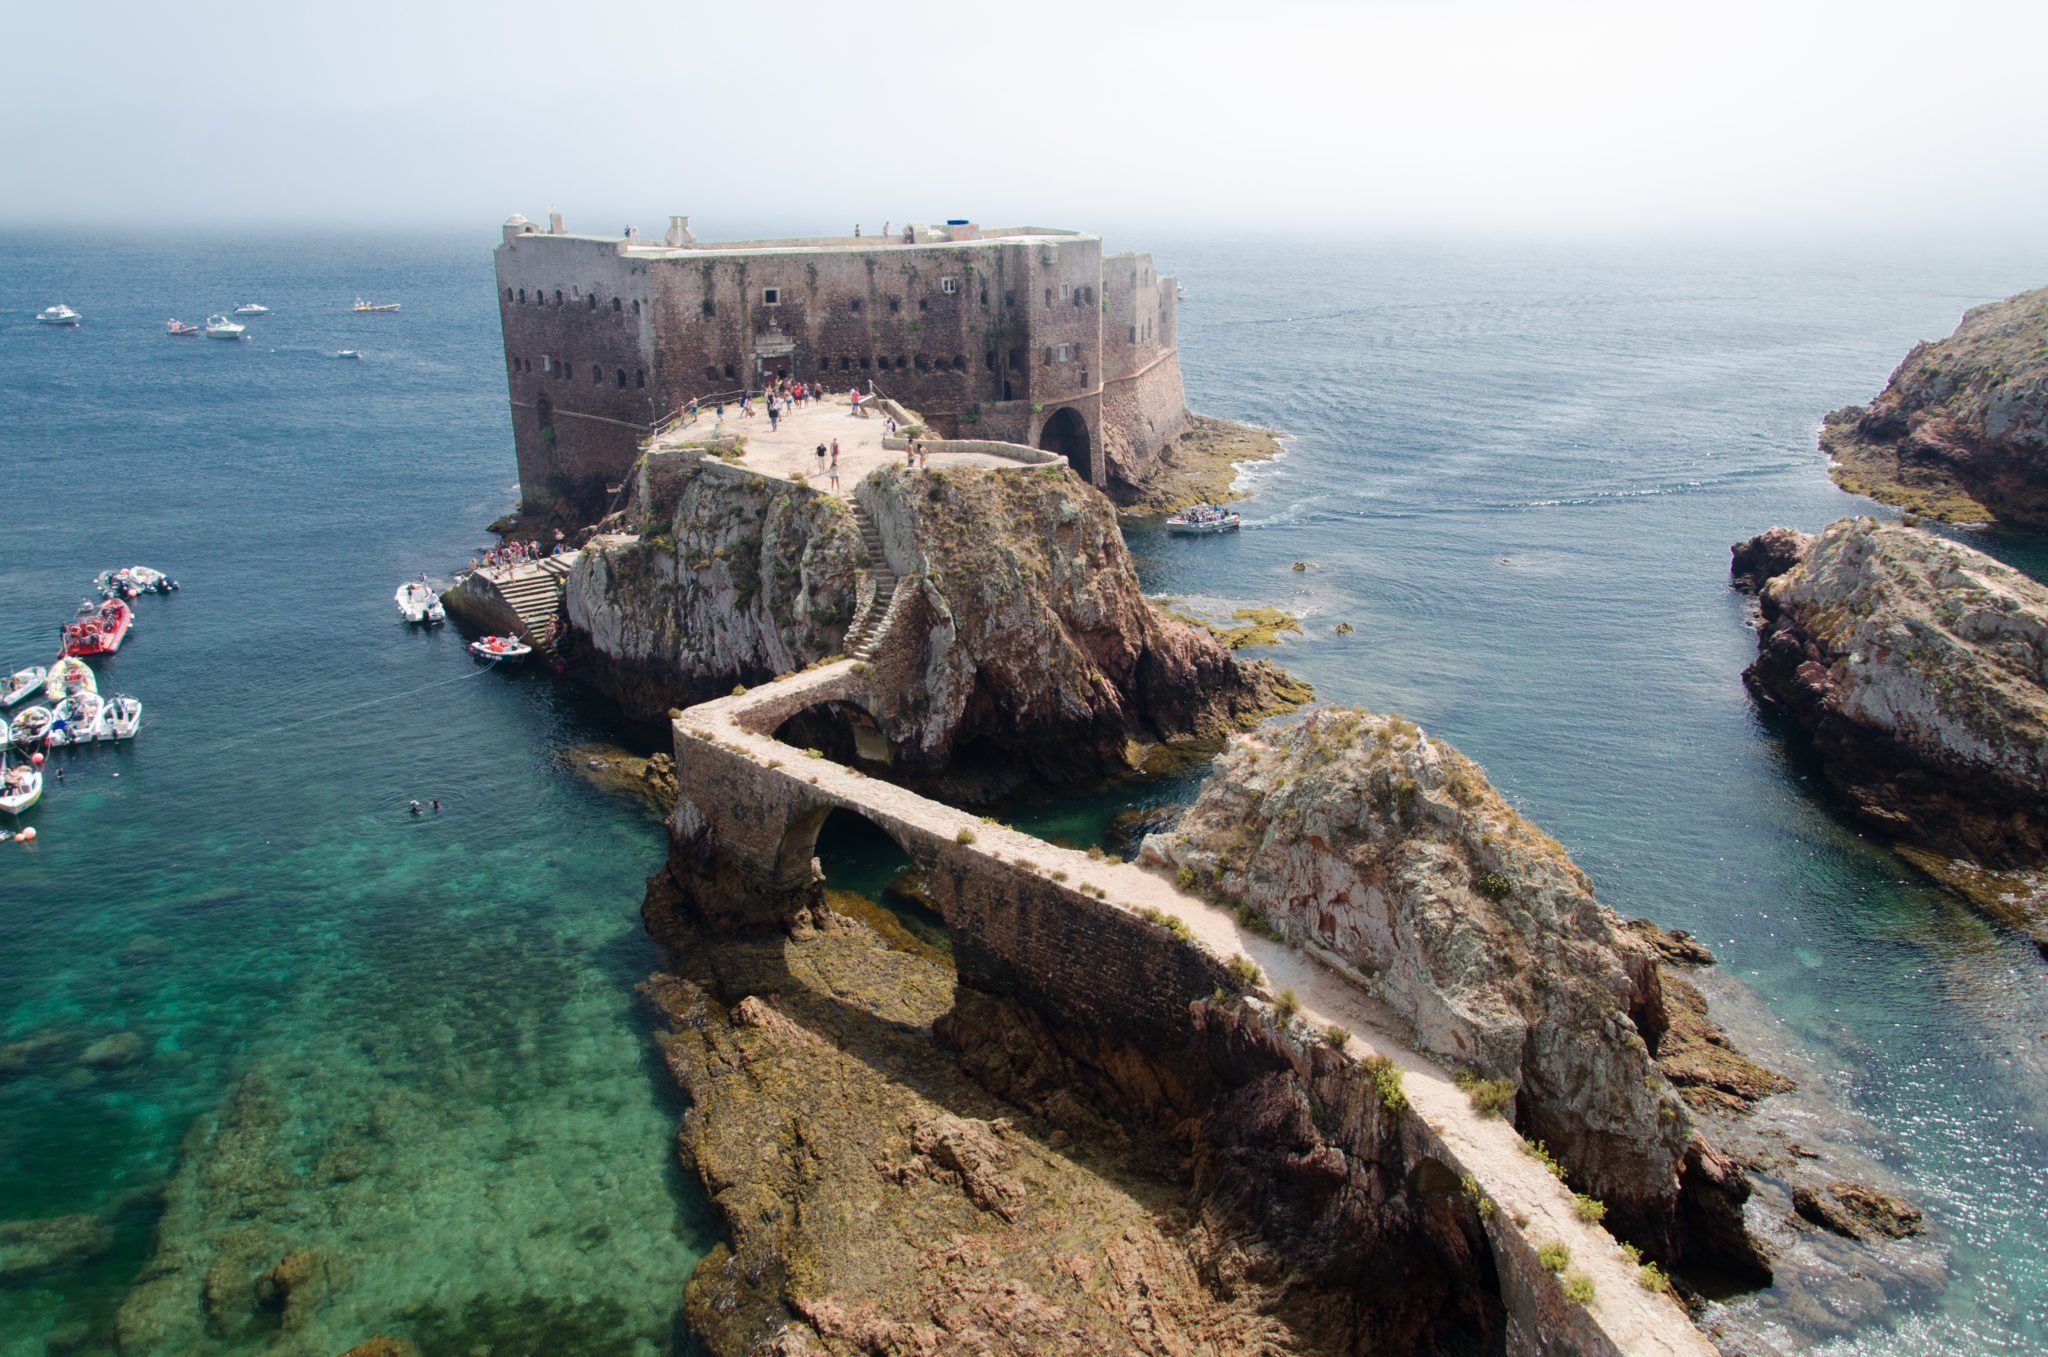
[1533,1207]
[783,452]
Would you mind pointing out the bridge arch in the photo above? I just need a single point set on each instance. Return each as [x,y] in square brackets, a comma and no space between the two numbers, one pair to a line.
[1431,1177]
[1066,433]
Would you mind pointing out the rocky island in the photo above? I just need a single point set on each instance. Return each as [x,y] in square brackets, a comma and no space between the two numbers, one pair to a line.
[1961,430]
[1915,666]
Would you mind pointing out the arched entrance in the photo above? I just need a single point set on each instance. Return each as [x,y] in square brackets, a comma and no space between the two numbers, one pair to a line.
[1066,433]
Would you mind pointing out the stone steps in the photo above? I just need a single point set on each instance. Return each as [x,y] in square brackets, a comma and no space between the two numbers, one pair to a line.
[879,607]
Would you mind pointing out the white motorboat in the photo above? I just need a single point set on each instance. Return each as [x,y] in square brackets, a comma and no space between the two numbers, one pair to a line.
[20,786]
[60,314]
[76,720]
[121,717]
[500,649]
[131,580]
[67,676]
[21,683]
[417,602]
[1203,518]
[252,309]
[349,353]
[30,724]
[220,327]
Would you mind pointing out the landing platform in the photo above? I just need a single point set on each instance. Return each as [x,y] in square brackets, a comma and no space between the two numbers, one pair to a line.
[791,448]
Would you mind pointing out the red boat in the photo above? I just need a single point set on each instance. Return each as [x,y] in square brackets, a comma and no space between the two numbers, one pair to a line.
[101,633]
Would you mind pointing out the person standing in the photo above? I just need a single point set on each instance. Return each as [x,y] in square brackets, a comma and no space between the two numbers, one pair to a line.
[835,465]
[821,459]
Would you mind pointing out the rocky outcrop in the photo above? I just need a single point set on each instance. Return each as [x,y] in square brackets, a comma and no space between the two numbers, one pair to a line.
[1917,667]
[1762,558]
[1961,430]
[30,1249]
[1855,1211]
[1025,643]
[906,1165]
[733,578]
[1359,834]
[1197,467]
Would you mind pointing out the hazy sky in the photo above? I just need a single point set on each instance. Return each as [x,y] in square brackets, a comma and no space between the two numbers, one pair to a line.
[1547,116]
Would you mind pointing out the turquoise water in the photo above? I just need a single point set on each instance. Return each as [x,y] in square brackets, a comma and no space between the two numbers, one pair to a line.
[466,1116]
[1516,475]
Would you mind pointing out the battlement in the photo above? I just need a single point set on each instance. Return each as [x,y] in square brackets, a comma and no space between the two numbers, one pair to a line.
[1024,334]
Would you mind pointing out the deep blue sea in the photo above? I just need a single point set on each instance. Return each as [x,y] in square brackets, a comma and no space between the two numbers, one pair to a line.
[410,1046]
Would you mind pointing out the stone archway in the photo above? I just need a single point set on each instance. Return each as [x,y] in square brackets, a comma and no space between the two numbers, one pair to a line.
[1066,433]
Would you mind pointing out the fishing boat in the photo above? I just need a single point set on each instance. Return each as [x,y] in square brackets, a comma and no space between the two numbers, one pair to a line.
[102,633]
[417,602]
[362,305]
[69,675]
[20,786]
[252,309]
[76,720]
[500,649]
[21,683]
[180,329]
[1203,518]
[60,314]
[220,327]
[30,724]
[121,717]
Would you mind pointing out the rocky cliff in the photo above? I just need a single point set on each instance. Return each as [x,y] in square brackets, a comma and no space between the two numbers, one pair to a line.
[1919,667]
[1023,641]
[1961,430]
[1360,834]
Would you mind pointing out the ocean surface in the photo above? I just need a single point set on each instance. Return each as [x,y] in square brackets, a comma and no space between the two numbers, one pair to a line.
[409,1046]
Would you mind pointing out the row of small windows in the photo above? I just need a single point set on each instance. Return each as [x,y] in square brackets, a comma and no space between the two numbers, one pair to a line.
[541,299]
[1079,296]
[1141,332]
[561,371]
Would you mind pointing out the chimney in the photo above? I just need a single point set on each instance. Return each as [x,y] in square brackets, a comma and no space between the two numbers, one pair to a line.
[554,222]
[679,232]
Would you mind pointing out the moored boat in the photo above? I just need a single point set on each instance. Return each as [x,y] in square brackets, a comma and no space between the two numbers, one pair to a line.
[499,649]
[417,602]
[60,314]
[220,327]
[131,580]
[102,633]
[1203,518]
[76,720]
[180,329]
[121,717]
[362,305]
[252,309]
[67,676]
[21,683]
[29,725]
[20,786]
[348,353]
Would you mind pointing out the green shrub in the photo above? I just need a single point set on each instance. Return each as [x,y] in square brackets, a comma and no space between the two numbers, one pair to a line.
[965,835]
[1537,1151]
[1489,1097]
[814,753]
[1631,1252]
[1095,852]
[1386,1081]
[1493,886]
[1185,878]
[1172,923]
[1554,1255]
[1578,1288]
[1651,1278]
[1246,970]
[739,690]
[1339,1037]
[1481,1203]
[1059,876]
[1286,1006]
[1591,1209]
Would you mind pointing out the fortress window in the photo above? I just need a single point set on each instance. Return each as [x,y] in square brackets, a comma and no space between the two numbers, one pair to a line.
[895,305]
[1016,360]
[622,379]
[593,301]
[1009,299]
[508,294]
[899,362]
[710,373]
[989,358]
[863,362]
[547,364]
[636,306]
[729,374]
[959,362]
[923,363]
[1048,296]
[1091,295]
[558,296]
[771,296]
[854,306]
[596,375]
[923,304]
[1134,334]
[639,377]
[949,285]
[710,308]
[616,306]
[845,363]
[522,296]
[1066,291]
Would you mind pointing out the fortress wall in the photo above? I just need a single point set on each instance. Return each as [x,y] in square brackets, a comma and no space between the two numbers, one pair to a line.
[1141,414]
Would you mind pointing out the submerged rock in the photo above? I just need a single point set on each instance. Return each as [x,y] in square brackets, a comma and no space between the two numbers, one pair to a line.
[1961,430]
[114,1051]
[36,1248]
[1917,665]
[1359,833]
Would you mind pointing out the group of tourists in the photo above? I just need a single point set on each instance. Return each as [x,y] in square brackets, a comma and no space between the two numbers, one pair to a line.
[833,471]
[517,553]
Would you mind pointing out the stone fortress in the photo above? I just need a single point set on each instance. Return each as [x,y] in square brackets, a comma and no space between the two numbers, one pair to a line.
[1025,334]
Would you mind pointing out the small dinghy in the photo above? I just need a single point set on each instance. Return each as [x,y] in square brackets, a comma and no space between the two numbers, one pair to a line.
[20,786]
[76,720]
[102,633]
[1203,518]
[21,683]
[417,602]
[67,676]
[179,329]
[500,649]
[29,726]
[131,580]
[121,717]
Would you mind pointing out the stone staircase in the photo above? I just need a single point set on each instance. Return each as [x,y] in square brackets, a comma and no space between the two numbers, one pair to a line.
[878,599]
[535,593]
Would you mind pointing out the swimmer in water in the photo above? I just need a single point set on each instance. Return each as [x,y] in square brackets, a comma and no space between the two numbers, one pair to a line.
[413,806]
[437,805]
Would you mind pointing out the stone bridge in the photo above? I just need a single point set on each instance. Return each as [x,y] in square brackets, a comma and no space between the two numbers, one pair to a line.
[1078,939]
